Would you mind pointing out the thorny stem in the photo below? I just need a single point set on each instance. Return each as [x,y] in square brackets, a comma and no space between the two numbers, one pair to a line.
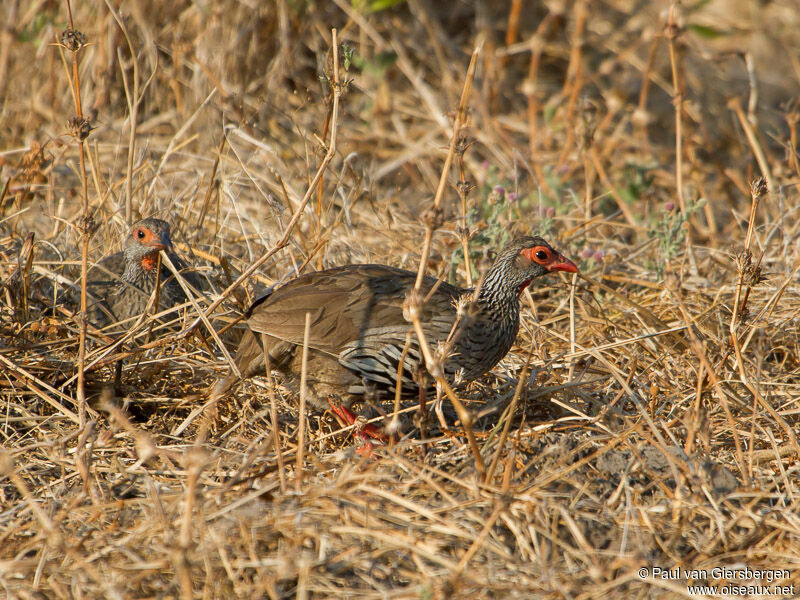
[752,274]
[746,268]
[587,128]
[434,218]
[301,419]
[464,188]
[433,221]
[321,183]
[414,310]
[307,331]
[572,336]
[85,231]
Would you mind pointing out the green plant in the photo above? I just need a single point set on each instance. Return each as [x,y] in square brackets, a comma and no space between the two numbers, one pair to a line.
[670,233]
[374,6]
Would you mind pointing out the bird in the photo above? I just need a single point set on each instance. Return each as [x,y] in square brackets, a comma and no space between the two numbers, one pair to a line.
[122,283]
[358,332]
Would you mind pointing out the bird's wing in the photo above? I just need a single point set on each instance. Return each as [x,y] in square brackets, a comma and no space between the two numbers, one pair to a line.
[352,308]
[106,273]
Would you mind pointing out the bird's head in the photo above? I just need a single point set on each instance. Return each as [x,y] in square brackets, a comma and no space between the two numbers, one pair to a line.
[147,237]
[527,258]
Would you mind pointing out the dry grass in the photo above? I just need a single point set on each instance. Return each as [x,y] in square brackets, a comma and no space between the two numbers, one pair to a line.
[656,425]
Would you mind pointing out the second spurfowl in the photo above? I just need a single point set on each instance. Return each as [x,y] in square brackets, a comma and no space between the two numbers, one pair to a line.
[121,284]
[358,329]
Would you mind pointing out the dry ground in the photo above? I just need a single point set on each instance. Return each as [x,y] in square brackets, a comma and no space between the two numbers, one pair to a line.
[656,425]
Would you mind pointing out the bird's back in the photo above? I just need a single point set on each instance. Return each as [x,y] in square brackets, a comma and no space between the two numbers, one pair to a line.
[356,316]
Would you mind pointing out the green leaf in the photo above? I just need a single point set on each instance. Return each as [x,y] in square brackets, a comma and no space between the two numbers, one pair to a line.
[373,6]
[348,56]
[704,31]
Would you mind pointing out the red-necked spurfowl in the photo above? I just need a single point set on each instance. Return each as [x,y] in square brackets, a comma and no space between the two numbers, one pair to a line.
[358,330]
[121,284]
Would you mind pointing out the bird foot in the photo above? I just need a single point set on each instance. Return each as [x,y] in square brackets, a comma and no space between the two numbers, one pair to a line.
[366,431]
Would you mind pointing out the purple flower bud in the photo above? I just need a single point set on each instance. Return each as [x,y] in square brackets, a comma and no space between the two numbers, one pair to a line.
[499,190]
[598,256]
[551,212]
[669,206]
[587,252]
[512,197]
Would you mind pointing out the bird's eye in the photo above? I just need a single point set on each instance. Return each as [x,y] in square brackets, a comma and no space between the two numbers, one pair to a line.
[140,234]
[541,255]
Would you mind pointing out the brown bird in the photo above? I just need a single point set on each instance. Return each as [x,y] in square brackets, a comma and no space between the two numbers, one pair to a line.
[121,284]
[358,331]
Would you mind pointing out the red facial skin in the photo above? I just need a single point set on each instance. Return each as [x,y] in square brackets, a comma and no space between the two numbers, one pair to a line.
[549,259]
[147,237]
[149,261]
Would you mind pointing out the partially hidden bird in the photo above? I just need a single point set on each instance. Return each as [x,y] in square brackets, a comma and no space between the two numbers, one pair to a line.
[121,284]
[358,331]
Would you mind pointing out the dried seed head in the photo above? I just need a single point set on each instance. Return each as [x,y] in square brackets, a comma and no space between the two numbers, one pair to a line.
[87,225]
[744,314]
[750,273]
[433,218]
[753,276]
[442,352]
[744,261]
[464,188]
[80,127]
[72,39]
[673,26]
[671,31]
[588,123]
[463,143]
[758,187]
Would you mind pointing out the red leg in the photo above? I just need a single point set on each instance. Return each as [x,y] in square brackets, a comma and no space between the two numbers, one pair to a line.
[366,432]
